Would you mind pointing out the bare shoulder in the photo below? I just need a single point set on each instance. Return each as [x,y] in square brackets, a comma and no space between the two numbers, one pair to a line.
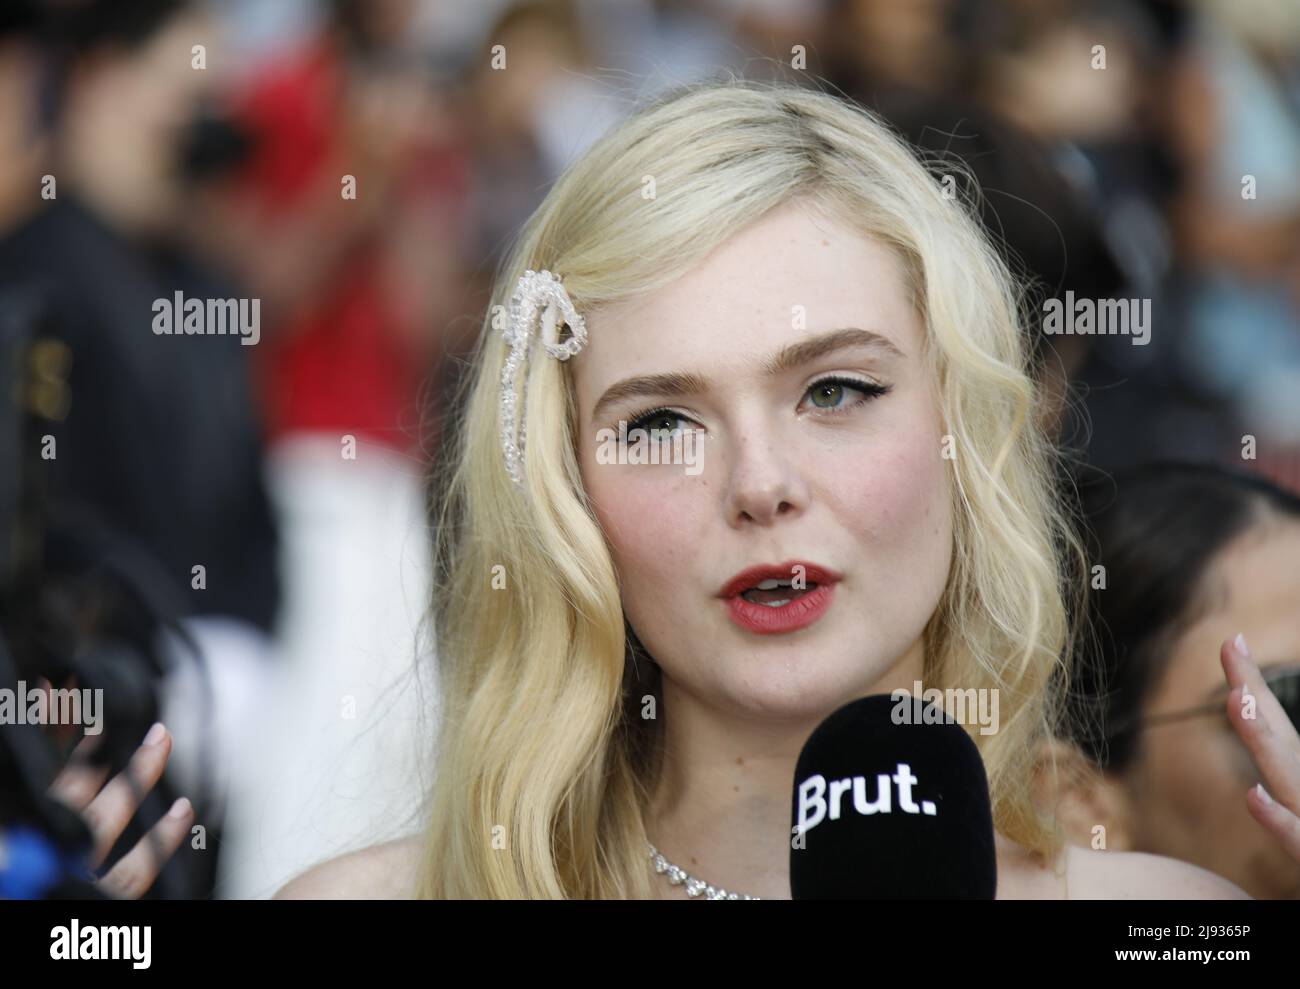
[1107,875]
[380,872]
[1087,874]
[1022,875]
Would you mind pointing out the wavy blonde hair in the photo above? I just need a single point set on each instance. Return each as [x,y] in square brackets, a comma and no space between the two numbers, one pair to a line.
[544,767]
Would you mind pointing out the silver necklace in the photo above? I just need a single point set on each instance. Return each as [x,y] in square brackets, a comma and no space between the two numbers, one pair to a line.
[694,886]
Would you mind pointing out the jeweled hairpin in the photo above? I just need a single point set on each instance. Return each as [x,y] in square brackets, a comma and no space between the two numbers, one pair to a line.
[538,293]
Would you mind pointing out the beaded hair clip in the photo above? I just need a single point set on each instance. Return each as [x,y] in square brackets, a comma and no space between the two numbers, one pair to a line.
[537,294]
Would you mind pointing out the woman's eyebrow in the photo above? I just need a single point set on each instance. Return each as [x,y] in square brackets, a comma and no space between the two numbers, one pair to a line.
[809,350]
[791,356]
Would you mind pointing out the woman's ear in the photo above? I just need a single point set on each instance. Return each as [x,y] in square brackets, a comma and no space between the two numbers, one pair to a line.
[1091,806]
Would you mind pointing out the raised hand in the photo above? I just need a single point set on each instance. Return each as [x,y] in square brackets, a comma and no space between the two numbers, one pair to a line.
[1272,741]
[108,809]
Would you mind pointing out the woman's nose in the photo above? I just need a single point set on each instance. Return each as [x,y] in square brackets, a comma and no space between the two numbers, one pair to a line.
[764,483]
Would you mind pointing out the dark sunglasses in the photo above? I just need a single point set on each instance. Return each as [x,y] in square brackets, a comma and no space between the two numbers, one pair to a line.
[1285,685]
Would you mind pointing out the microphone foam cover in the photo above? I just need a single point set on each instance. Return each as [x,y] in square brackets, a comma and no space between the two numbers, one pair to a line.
[894,801]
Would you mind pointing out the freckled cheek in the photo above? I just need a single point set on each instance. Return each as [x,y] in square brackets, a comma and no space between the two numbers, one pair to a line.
[651,531]
[894,493]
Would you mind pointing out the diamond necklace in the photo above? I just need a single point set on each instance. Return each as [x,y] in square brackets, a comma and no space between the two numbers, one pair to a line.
[694,886]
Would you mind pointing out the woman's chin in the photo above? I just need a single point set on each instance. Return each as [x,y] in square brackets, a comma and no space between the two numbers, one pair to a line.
[794,692]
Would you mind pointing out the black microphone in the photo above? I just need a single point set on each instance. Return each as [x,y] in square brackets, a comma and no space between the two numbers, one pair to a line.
[891,801]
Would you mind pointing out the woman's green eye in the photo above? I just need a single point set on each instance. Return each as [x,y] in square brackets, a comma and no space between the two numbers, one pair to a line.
[827,395]
[831,394]
[659,422]
[667,422]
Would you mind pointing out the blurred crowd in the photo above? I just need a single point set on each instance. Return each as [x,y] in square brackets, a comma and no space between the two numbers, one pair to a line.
[359,167]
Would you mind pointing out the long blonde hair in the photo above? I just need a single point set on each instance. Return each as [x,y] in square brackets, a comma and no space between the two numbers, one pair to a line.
[543,765]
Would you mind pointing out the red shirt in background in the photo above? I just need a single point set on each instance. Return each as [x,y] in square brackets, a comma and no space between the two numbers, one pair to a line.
[344,364]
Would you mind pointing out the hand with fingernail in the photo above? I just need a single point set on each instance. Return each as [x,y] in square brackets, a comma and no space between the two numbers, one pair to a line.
[1270,737]
[108,809]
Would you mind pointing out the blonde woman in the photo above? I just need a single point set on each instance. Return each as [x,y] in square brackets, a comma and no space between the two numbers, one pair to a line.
[766,271]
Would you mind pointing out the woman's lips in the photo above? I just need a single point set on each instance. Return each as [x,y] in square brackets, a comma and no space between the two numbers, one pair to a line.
[810,573]
[801,610]
[765,619]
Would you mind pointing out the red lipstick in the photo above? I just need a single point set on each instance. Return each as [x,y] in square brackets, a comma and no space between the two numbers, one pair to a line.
[801,607]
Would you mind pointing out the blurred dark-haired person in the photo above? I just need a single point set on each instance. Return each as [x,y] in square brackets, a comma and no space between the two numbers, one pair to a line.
[1040,222]
[1192,554]
[160,442]
[22,148]
[155,465]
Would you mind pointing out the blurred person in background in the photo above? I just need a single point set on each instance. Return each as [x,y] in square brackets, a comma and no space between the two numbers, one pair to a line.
[1116,92]
[343,220]
[521,97]
[877,48]
[1037,219]
[1161,111]
[160,439]
[348,218]
[157,459]
[1192,554]
[23,142]
[1089,81]
[554,75]
[1236,125]
[914,69]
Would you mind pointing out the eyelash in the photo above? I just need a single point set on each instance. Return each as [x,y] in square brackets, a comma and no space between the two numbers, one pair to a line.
[869,389]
